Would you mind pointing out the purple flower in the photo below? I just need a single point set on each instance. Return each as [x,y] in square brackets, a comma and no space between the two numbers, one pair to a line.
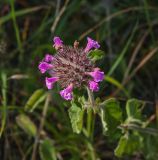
[57,42]
[71,68]
[67,92]
[50,82]
[48,58]
[97,75]
[91,44]
[93,86]
[44,66]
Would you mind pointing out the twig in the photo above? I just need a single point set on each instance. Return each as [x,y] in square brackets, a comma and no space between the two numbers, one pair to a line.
[45,108]
[59,16]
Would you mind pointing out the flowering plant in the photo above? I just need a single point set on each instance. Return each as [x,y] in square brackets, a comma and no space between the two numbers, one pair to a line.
[71,68]
[74,68]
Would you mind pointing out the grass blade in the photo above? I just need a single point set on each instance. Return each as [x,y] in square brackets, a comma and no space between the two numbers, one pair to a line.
[17,33]
[4,102]
[19,13]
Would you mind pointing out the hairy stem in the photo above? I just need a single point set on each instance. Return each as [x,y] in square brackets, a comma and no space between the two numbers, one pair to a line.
[90,124]
[91,98]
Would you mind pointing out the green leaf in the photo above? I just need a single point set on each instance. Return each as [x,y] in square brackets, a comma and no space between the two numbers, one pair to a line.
[96,54]
[36,98]
[26,124]
[111,115]
[127,145]
[47,150]
[133,108]
[76,118]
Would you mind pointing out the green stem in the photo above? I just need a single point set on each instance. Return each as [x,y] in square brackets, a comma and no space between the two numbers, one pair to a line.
[91,98]
[92,129]
[90,124]
[89,121]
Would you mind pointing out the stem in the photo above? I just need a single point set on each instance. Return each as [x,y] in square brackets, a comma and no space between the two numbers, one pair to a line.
[45,108]
[92,129]
[90,124]
[91,97]
[89,121]
[91,151]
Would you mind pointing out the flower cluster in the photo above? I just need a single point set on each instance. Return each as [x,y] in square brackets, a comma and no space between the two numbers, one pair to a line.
[71,67]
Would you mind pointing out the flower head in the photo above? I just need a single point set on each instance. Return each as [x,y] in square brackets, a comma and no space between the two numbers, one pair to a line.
[72,68]
[97,75]
[93,86]
[50,82]
[91,44]
[67,92]
[57,42]
[44,66]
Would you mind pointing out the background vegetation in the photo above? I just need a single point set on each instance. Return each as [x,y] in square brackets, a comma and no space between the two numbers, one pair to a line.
[128,34]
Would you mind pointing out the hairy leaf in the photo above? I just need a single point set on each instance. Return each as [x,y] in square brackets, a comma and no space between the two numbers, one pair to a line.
[76,118]
[111,115]
[127,145]
[133,108]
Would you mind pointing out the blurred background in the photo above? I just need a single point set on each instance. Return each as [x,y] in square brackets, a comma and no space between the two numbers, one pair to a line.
[128,34]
